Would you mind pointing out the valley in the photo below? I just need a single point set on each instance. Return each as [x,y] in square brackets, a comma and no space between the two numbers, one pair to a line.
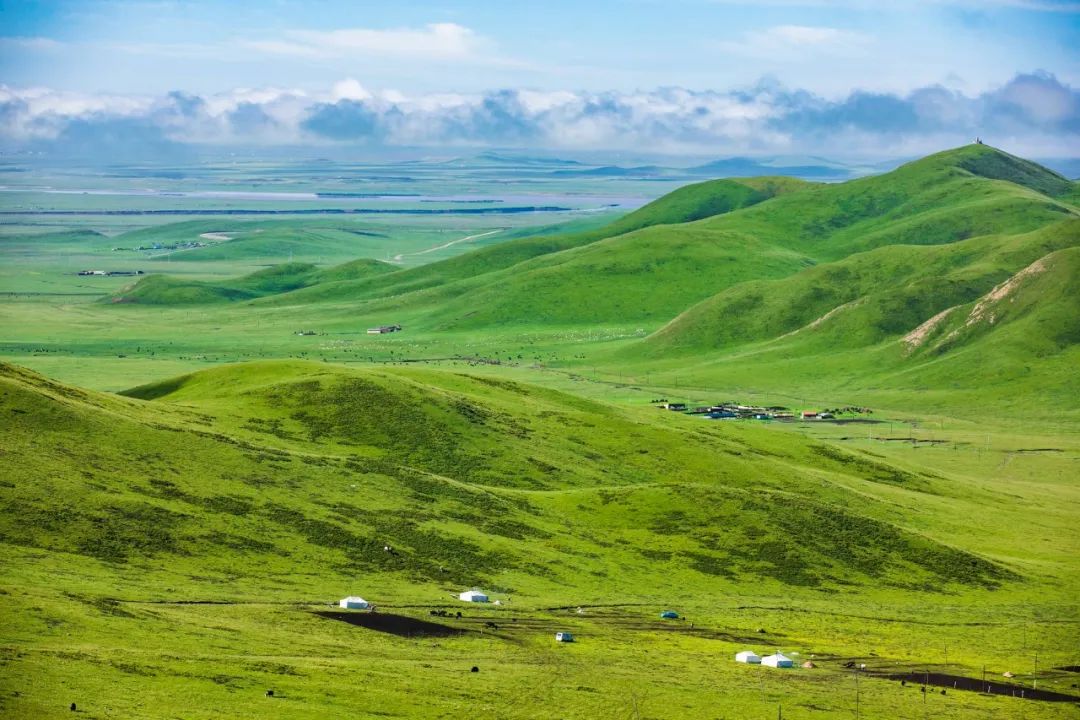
[199,461]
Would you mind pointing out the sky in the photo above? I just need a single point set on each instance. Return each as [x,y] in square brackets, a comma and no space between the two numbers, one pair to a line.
[869,78]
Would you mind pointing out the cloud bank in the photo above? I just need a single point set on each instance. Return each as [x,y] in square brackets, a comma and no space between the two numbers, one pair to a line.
[1033,113]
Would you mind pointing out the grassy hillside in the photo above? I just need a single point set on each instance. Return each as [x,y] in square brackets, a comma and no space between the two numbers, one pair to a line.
[176,541]
[654,273]
[702,239]
[862,299]
[1002,166]
[688,203]
[276,450]
[167,290]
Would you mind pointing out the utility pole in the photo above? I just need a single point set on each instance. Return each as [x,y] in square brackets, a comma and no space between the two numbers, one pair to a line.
[857,693]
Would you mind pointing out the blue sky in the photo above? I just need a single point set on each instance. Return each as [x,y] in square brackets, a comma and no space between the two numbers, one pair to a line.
[395,64]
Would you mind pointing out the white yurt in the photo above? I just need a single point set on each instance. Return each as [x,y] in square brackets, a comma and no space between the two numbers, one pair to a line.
[473,596]
[748,656]
[353,603]
[779,660]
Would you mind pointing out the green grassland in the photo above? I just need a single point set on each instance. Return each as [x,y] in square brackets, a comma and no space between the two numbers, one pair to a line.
[168,544]
[186,535]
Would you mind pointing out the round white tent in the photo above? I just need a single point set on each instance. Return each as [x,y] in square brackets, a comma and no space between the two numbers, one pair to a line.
[353,603]
[779,660]
[473,596]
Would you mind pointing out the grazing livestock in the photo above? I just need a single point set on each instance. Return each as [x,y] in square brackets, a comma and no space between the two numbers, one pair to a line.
[73,708]
[269,693]
[475,669]
[491,625]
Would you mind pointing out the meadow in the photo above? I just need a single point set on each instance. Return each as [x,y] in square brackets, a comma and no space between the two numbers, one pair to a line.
[189,484]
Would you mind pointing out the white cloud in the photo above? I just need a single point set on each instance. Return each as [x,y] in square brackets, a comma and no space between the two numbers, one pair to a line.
[435,41]
[785,42]
[349,89]
[1035,112]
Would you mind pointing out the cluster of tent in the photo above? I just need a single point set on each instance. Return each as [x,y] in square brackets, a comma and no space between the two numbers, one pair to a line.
[776,660]
[358,603]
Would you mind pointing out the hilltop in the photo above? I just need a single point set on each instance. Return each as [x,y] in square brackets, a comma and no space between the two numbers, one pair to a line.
[231,450]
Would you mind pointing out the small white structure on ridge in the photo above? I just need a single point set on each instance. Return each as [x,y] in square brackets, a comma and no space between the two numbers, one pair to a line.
[564,637]
[353,603]
[473,596]
[779,660]
[748,656]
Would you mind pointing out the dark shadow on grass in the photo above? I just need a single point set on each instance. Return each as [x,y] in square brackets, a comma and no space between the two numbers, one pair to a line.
[400,625]
[959,682]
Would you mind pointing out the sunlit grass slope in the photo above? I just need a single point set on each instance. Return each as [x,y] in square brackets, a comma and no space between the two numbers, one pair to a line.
[165,549]
[652,273]
[168,290]
[315,468]
[459,274]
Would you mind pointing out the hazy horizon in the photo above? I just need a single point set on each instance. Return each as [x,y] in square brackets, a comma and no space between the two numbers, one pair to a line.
[846,79]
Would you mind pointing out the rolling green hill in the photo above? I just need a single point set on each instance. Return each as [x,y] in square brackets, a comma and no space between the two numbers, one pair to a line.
[652,274]
[305,466]
[177,549]
[187,537]
[647,267]
[458,275]
[168,290]
[862,299]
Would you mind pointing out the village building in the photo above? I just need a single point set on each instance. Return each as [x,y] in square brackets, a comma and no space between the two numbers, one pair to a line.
[383,329]
[564,637]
